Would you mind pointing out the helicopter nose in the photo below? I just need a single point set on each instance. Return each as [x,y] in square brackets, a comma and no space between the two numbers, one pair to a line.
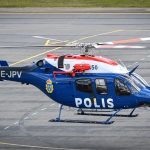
[144,97]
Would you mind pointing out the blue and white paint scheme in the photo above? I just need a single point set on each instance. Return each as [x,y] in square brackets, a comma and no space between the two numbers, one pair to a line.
[83,82]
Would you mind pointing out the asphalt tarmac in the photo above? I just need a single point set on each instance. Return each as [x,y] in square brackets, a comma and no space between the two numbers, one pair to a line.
[25,111]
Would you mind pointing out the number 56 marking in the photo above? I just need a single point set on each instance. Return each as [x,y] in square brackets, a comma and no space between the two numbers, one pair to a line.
[94,67]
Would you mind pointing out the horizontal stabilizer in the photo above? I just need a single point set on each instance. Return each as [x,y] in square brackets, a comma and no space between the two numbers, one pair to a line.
[3,63]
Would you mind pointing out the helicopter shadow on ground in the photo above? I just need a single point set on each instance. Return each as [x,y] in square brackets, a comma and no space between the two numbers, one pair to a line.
[81,121]
[93,114]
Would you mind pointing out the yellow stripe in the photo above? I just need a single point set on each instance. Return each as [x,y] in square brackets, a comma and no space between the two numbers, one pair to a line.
[32,146]
[23,60]
[47,42]
[87,37]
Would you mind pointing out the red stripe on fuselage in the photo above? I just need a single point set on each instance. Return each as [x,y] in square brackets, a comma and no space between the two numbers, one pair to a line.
[52,55]
[90,58]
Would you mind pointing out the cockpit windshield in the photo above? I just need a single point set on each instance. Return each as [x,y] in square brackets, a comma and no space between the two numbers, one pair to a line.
[135,87]
[140,80]
[136,81]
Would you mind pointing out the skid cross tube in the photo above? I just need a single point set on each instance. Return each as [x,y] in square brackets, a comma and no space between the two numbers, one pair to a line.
[131,113]
[95,122]
[59,114]
[113,115]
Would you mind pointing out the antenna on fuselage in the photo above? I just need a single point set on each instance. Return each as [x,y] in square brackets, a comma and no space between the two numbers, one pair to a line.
[132,70]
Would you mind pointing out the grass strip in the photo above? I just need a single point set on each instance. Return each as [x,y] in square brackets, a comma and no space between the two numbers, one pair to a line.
[75,3]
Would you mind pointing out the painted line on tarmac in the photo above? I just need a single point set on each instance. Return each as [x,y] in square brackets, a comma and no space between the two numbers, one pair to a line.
[43,109]
[40,54]
[76,13]
[16,123]
[6,127]
[46,38]
[29,58]
[35,113]
[33,146]
[137,62]
[28,117]
[137,30]
[91,36]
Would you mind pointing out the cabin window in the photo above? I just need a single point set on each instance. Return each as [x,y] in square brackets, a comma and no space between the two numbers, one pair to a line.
[101,86]
[121,88]
[84,85]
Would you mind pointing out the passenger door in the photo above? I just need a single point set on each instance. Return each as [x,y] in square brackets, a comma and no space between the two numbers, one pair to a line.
[104,98]
[83,93]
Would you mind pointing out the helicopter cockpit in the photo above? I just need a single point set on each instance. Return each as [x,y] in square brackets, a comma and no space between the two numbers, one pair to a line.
[139,80]
[135,82]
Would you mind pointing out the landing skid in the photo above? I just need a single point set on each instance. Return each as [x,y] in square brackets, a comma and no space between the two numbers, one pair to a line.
[136,115]
[107,121]
[131,113]
[98,113]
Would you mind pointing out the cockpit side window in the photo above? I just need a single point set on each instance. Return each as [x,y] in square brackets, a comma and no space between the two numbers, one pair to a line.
[101,86]
[84,85]
[120,88]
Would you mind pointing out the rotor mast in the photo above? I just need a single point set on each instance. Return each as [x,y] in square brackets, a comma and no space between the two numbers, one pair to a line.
[86,48]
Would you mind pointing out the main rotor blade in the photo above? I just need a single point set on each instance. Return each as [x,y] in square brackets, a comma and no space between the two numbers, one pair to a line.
[75,46]
[114,44]
[117,46]
[47,38]
[37,46]
[127,41]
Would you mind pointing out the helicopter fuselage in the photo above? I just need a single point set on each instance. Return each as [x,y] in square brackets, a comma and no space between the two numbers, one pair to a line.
[91,91]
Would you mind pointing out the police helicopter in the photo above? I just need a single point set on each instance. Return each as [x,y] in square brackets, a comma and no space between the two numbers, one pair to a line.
[84,81]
